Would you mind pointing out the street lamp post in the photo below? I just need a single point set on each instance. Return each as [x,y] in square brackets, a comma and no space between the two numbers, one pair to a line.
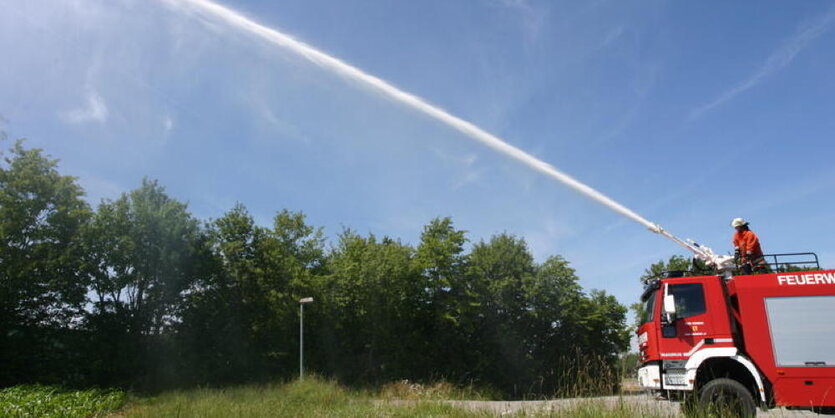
[301,335]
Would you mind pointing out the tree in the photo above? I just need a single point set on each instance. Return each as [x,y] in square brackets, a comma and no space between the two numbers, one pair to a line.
[606,320]
[141,249]
[222,313]
[441,261]
[291,257]
[539,332]
[41,213]
[141,260]
[440,256]
[369,309]
[502,273]
[41,290]
[557,315]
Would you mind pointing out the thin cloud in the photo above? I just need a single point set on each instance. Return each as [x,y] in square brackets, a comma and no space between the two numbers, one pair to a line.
[533,19]
[98,188]
[94,110]
[167,124]
[471,174]
[778,60]
[550,232]
[467,160]
[470,177]
[611,36]
[641,85]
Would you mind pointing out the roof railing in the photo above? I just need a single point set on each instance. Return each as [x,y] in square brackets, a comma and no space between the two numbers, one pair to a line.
[786,262]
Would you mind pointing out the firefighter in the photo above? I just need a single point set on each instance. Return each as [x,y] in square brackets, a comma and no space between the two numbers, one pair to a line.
[748,253]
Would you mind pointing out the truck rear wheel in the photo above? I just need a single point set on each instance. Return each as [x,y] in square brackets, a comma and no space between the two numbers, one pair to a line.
[727,397]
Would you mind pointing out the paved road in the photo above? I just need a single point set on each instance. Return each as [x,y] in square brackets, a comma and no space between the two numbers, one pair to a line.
[641,403]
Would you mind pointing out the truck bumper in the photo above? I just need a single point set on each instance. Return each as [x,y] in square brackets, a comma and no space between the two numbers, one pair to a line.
[649,376]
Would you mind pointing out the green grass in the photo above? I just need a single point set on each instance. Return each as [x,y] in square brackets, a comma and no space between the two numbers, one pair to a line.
[313,397]
[53,401]
[406,390]
[309,398]
[320,398]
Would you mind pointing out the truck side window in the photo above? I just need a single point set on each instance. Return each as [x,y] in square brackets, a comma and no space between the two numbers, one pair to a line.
[690,299]
[649,308]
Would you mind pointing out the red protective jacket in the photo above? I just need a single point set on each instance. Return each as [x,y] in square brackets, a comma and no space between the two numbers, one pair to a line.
[748,245]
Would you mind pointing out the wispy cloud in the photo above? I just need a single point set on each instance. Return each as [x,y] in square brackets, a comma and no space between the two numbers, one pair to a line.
[550,232]
[471,173]
[93,110]
[642,83]
[167,125]
[533,18]
[470,177]
[611,36]
[778,60]
[98,188]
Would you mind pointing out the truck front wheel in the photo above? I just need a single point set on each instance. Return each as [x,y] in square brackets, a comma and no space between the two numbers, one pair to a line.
[727,397]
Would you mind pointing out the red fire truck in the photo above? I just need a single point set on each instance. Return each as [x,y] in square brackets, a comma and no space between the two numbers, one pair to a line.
[741,342]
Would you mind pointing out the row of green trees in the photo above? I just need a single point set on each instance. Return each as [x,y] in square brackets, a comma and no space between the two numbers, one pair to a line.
[138,292]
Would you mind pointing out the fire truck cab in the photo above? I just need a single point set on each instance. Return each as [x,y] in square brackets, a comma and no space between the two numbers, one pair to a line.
[742,342]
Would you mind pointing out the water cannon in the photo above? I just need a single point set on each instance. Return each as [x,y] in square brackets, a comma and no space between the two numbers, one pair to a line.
[724,264]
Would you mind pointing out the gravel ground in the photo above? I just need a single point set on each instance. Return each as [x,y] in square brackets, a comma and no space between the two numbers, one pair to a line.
[643,402]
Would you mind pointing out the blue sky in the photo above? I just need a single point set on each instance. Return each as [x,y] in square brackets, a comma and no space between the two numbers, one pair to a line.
[689,113]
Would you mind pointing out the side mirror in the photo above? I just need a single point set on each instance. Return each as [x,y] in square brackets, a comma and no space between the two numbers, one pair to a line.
[669,308]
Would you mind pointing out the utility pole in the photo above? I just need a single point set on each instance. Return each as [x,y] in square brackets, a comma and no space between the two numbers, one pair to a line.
[302,302]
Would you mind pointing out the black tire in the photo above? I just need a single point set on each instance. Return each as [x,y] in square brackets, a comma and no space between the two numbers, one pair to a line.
[727,397]
[824,410]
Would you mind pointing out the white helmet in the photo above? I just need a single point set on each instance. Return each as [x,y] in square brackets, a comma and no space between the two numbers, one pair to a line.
[738,222]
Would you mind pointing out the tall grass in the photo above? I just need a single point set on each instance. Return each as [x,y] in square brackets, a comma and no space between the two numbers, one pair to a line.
[53,401]
[408,390]
[316,397]
[584,376]
[312,397]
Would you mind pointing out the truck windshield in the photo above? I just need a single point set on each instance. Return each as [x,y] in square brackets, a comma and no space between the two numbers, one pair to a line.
[648,308]
[690,299]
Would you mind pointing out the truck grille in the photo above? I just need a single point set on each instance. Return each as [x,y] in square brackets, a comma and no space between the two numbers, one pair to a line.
[675,378]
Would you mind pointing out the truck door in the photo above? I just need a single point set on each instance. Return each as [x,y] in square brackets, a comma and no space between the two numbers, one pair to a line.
[691,325]
[648,328]
[649,374]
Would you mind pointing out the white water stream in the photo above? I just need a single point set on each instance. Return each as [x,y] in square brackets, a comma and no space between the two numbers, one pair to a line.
[210,10]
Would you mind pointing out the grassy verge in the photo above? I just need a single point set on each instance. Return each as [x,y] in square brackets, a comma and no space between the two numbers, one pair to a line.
[406,390]
[309,398]
[320,398]
[52,401]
